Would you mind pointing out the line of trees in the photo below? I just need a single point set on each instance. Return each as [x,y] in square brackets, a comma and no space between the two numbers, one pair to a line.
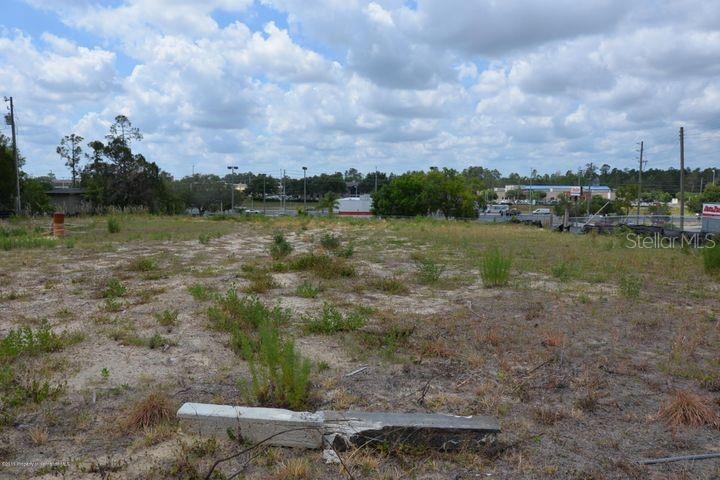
[113,175]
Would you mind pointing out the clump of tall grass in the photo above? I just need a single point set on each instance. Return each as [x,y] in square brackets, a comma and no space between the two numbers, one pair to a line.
[495,269]
[12,238]
[564,271]
[113,225]
[630,286]
[711,258]
[280,247]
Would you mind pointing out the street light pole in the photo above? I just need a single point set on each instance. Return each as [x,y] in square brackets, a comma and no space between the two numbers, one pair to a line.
[232,169]
[304,190]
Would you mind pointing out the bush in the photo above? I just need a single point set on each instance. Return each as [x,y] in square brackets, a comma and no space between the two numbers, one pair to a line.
[280,376]
[280,248]
[330,241]
[711,258]
[429,271]
[495,269]
[332,321]
[113,225]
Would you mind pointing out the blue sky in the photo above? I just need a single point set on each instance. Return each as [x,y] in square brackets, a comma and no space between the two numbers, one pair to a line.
[272,84]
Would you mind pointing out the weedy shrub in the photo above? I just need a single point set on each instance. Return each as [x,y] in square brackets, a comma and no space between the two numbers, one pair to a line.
[564,271]
[495,269]
[204,238]
[200,292]
[280,375]
[114,288]
[167,318]
[280,247]
[391,285]
[158,341]
[323,266]
[428,271]
[330,241]
[154,409]
[113,225]
[231,312]
[307,290]
[630,286]
[345,252]
[20,386]
[332,321]
[260,281]
[142,264]
[711,259]
[26,341]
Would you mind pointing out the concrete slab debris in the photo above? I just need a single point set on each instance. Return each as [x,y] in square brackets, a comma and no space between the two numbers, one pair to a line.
[341,430]
[276,426]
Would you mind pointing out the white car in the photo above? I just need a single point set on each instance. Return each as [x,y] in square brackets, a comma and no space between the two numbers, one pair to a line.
[541,211]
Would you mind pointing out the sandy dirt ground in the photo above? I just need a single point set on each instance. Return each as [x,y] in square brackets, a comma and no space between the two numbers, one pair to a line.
[575,371]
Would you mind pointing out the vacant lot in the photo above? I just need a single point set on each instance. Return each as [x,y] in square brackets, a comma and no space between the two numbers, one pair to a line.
[593,356]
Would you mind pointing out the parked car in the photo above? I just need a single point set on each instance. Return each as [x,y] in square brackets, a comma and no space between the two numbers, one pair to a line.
[541,211]
[497,210]
[512,212]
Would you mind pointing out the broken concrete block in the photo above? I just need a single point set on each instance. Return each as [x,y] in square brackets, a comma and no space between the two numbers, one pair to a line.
[431,430]
[278,426]
[341,430]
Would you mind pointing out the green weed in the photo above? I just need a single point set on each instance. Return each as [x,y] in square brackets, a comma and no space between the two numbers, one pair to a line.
[429,271]
[280,247]
[113,225]
[332,321]
[495,269]
[114,288]
[307,290]
[280,375]
[711,258]
[200,292]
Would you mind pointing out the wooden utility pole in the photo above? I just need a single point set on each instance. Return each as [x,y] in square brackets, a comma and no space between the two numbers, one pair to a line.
[11,122]
[639,182]
[682,179]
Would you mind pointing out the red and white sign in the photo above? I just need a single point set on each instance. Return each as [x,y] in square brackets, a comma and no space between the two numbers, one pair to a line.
[575,191]
[711,210]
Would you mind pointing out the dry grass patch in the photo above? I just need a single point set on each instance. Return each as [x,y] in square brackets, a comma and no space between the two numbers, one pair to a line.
[294,469]
[153,410]
[686,408]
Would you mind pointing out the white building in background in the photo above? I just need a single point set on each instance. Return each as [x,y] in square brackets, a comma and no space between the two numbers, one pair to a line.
[360,206]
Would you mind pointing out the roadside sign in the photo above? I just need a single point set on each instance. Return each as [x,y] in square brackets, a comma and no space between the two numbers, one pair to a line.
[575,191]
[711,210]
